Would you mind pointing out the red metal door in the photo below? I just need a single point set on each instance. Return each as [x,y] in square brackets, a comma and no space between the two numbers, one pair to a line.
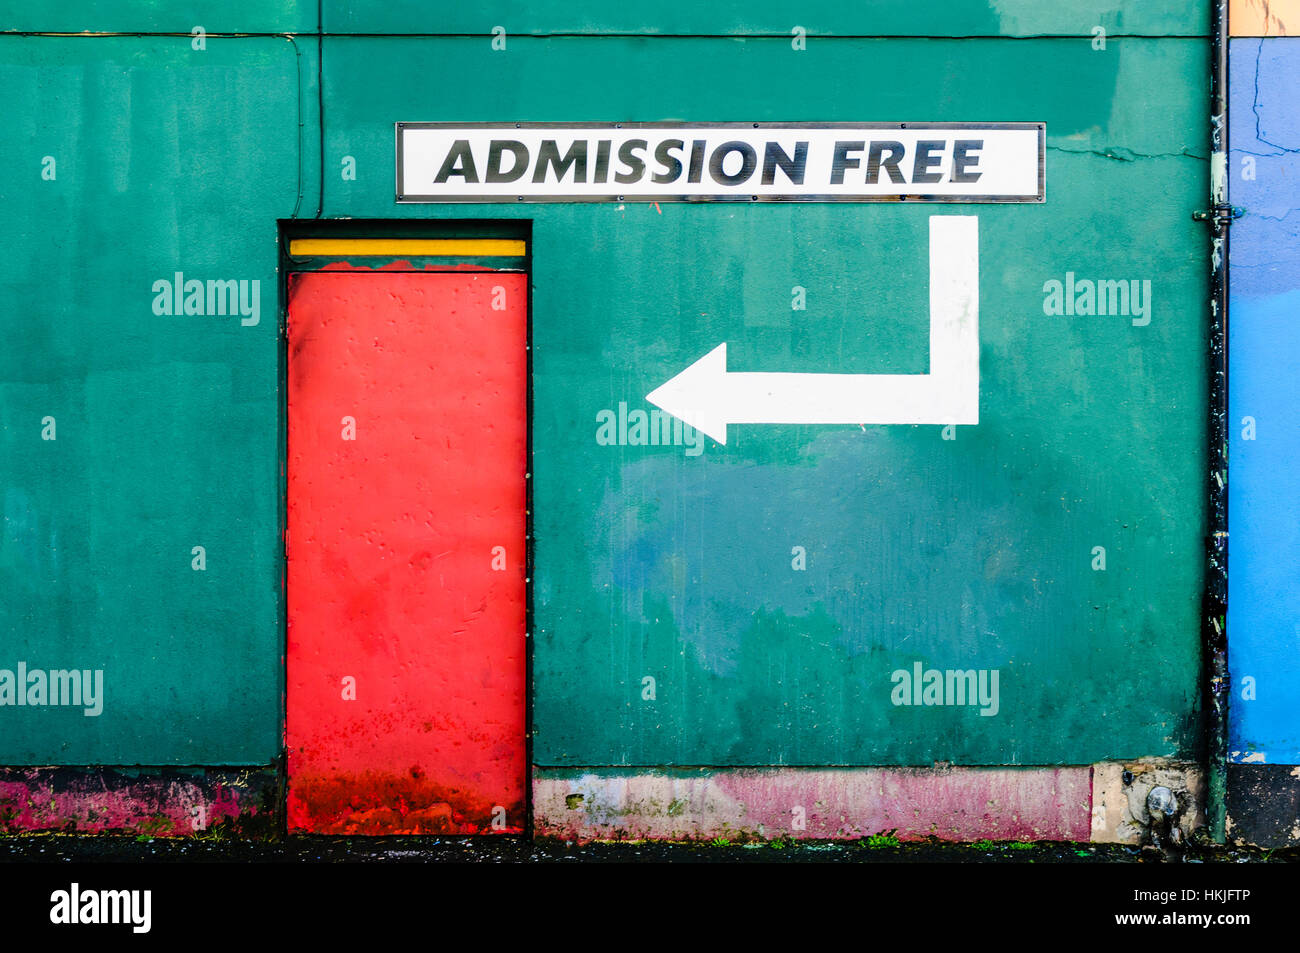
[406,530]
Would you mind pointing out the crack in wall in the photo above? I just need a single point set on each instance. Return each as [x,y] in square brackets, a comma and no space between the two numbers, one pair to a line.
[1121,154]
[1259,135]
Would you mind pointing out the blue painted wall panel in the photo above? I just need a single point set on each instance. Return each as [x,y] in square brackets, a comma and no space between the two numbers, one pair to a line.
[1264,417]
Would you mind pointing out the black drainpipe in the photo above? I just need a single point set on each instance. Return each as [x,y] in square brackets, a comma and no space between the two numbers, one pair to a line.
[1214,617]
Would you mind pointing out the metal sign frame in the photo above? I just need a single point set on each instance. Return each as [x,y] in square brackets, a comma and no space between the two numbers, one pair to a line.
[1039,197]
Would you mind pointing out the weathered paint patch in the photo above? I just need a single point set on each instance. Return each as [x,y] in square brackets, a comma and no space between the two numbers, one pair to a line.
[1264,805]
[162,802]
[1119,795]
[956,804]
[375,803]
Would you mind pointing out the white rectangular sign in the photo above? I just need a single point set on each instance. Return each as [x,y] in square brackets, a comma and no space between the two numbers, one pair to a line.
[662,162]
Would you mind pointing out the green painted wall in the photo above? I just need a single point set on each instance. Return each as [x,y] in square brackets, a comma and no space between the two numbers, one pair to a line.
[166,160]
[972,553]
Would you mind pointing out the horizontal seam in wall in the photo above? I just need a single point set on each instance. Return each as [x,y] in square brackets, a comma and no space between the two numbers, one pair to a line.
[607,35]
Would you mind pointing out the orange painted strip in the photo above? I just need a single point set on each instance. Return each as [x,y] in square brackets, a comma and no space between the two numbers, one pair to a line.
[1264,17]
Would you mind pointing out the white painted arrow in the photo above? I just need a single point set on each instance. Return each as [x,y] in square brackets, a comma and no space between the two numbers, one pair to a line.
[709,398]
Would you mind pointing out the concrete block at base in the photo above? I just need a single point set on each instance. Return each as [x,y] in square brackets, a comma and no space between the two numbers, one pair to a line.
[1119,795]
[949,803]
[1264,805]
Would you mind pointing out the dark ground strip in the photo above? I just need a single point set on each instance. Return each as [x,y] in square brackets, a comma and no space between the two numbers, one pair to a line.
[63,848]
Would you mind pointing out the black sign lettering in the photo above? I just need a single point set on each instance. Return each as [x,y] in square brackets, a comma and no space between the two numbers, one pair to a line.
[459,161]
[499,147]
[602,161]
[549,155]
[875,161]
[962,159]
[671,164]
[840,160]
[635,164]
[793,166]
[749,161]
[926,159]
[696,172]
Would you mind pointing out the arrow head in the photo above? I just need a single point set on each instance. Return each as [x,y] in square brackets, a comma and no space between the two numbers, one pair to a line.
[696,395]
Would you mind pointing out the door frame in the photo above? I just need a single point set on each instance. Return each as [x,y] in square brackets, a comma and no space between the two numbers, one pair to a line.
[463,244]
